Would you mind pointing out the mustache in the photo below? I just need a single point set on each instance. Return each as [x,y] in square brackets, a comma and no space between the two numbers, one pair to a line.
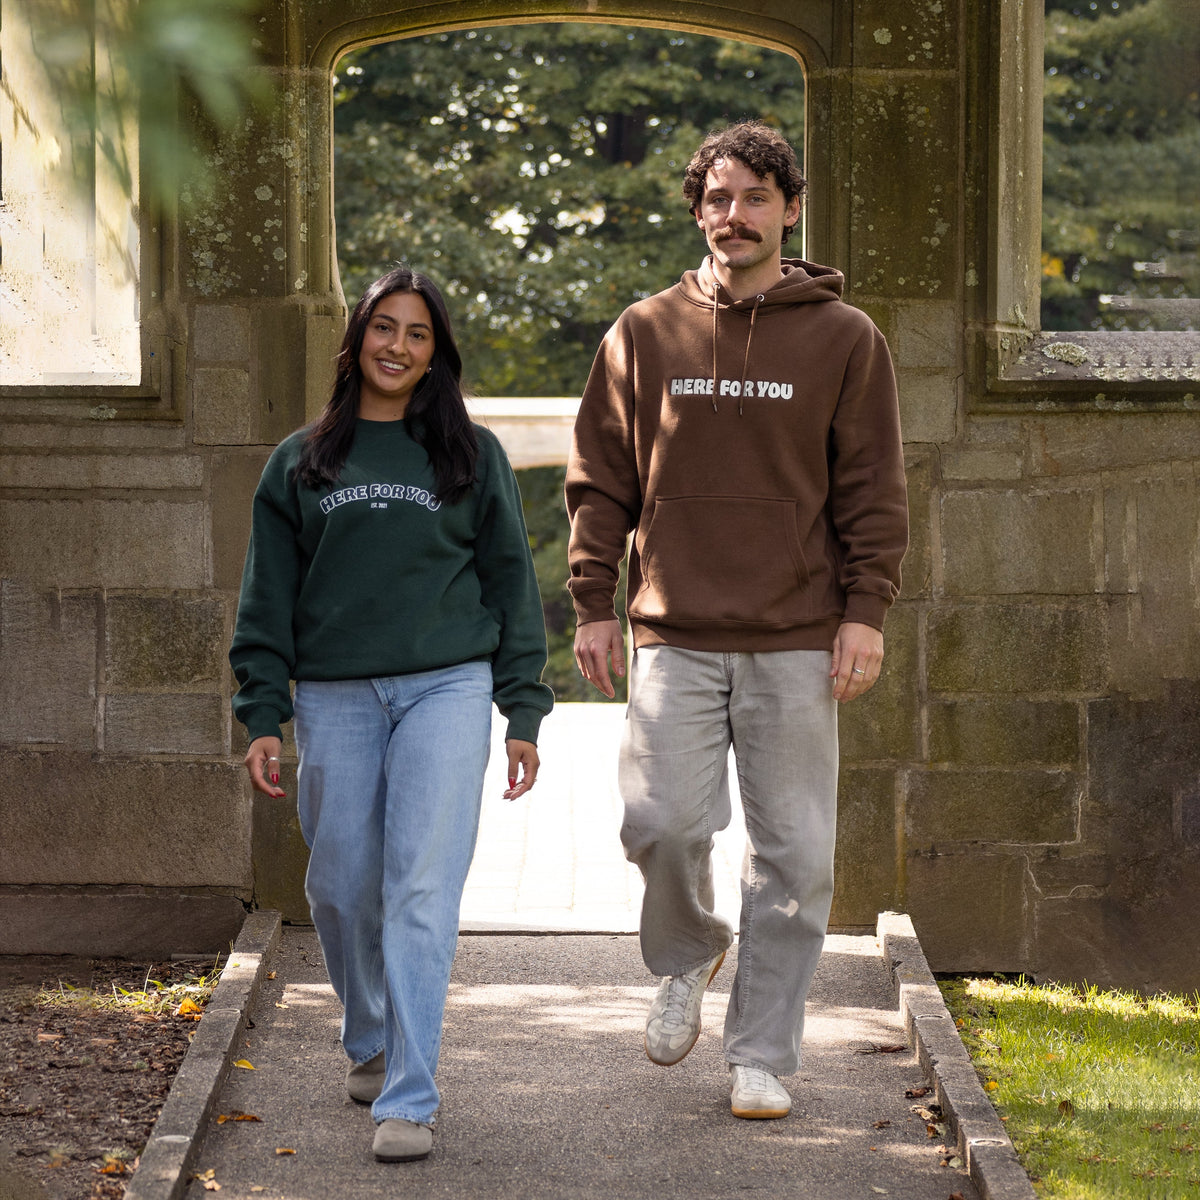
[747,235]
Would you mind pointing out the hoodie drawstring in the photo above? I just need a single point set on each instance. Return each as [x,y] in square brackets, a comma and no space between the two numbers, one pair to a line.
[714,346]
[749,342]
[749,339]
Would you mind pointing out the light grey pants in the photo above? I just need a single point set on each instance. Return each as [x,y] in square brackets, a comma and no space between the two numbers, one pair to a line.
[686,708]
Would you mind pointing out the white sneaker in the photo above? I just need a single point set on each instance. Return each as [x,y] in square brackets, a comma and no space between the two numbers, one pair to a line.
[673,1024]
[754,1093]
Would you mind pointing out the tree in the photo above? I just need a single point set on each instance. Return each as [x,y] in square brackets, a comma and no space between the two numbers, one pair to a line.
[535,173]
[1121,194]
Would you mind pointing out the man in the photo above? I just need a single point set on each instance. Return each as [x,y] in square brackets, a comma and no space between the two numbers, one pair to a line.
[744,425]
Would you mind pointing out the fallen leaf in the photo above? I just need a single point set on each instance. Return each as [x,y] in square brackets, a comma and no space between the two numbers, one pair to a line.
[1066,1109]
[879,1191]
[956,1196]
[50,1037]
[211,1185]
[284,1150]
[258,1187]
[990,1086]
[189,1008]
[211,1173]
[236,1115]
[270,975]
[113,1166]
[883,1050]
[917,1093]
[881,1124]
[280,1004]
[104,1041]
[245,1064]
[933,1131]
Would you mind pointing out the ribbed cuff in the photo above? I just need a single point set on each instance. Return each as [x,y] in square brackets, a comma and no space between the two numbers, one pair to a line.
[523,724]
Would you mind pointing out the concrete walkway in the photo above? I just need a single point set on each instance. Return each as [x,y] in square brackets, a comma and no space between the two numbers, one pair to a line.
[546,1090]
[552,861]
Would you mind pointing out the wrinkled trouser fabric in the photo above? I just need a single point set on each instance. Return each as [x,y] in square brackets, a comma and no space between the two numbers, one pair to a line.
[686,708]
[390,782]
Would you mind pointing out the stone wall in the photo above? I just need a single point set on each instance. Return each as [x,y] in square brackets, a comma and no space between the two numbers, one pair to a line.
[1024,780]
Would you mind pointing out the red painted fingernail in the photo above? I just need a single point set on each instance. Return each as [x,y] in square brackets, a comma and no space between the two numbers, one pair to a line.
[274,778]
[512,781]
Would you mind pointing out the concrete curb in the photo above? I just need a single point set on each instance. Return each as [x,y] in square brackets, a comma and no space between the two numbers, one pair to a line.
[166,1163]
[983,1142]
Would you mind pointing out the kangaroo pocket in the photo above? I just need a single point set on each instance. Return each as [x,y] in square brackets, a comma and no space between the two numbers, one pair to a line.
[722,561]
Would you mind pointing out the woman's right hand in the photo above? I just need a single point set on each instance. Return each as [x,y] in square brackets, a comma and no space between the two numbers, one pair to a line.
[262,761]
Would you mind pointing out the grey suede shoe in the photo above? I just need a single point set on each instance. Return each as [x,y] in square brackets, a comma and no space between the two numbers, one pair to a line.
[364,1081]
[402,1141]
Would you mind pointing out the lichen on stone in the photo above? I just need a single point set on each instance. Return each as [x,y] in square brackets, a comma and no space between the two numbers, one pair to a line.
[1066,352]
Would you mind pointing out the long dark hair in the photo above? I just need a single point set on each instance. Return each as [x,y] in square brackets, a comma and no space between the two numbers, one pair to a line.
[436,415]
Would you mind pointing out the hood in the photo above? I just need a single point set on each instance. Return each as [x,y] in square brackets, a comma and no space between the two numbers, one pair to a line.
[802,283]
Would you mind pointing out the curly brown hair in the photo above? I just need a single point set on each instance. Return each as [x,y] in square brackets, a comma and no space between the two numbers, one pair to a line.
[754,144]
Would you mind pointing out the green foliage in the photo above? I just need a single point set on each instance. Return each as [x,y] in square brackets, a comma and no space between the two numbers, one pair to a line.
[119,67]
[1097,1088]
[549,531]
[1121,165]
[534,172]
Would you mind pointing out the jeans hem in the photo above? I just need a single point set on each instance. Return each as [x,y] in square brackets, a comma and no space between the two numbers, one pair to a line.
[379,1118]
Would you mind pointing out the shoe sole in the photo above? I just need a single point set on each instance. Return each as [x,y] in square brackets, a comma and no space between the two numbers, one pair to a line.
[658,1062]
[402,1157]
[760,1114]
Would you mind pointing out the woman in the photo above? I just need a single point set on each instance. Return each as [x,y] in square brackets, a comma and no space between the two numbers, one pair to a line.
[389,574]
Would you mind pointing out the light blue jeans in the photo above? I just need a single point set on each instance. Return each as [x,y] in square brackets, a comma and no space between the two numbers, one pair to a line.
[686,708]
[390,783]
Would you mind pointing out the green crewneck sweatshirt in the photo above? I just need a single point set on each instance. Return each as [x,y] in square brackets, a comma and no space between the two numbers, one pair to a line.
[375,576]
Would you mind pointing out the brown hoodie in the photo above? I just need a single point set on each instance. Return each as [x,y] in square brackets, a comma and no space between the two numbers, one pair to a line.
[754,448]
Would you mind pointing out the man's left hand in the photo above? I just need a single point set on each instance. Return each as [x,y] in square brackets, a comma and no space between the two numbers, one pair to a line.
[857,660]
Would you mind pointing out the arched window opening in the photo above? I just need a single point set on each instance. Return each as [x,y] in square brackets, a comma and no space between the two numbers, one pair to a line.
[534,171]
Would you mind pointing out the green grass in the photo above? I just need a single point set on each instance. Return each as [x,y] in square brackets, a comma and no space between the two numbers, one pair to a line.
[1099,1090]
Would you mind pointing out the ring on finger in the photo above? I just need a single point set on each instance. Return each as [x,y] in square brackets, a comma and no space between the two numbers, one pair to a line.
[858,670]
